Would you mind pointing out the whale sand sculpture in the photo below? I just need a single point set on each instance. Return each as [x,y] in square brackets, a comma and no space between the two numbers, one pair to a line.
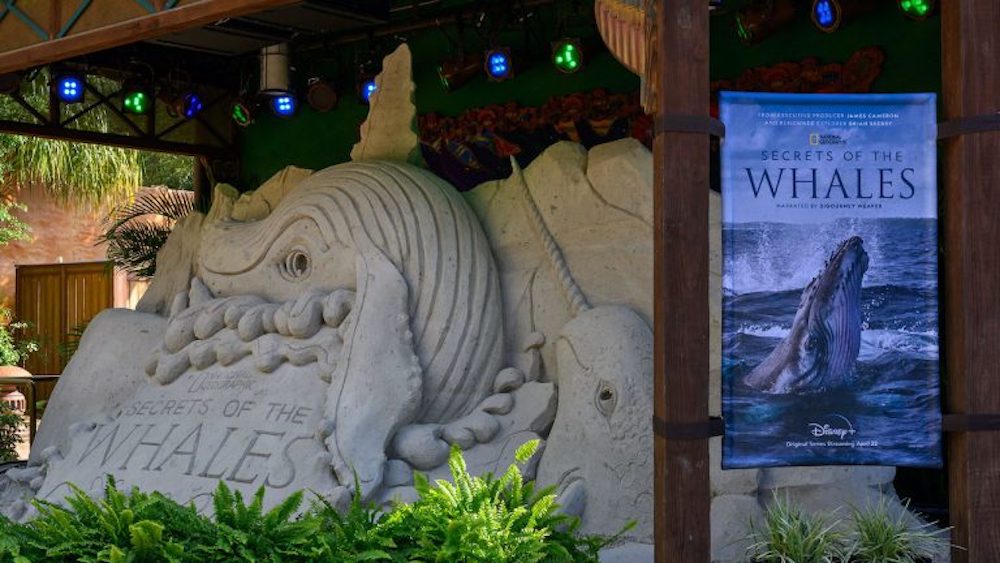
[822,347]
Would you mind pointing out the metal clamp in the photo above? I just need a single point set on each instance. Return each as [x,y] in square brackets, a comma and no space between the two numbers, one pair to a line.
[688,430]
[968,125]
[680,123]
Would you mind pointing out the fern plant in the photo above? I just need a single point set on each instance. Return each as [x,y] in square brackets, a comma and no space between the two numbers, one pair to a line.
[121,527]
[136,232]
[487,519]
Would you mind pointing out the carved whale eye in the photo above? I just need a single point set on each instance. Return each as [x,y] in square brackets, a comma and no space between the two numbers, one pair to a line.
[606,399]
[295,266]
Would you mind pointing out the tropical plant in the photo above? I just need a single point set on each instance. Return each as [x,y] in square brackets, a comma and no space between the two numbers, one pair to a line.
[12,228]
[787,535]
[10,432]
[487,519]
[475,520]
[135,232]
[881,537]
[13,350]
[90,174]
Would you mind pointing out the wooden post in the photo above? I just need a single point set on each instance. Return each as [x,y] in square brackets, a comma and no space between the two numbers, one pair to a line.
[680,282]
[970,44]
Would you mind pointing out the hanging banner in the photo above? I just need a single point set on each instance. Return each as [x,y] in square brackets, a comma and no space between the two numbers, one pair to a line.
[830,298]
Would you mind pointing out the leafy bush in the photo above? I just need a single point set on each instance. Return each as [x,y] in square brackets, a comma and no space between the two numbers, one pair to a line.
[10,426]
[13,350]
[474,520]
[881,537]
[872,535]
[789,536]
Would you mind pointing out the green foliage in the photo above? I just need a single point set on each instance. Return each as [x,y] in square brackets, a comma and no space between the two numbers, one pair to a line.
[12,228]
[474,519]
[136,232]
[789,536]
[872,535]
[880,537]
[10,425]
[13,349]
[171,170]
[486,519]
[83,173]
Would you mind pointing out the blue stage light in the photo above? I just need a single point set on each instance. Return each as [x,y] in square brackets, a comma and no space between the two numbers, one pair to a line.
[368,88]
[192,105]
[283,105]
[499,65]
[826,14]
[69,88]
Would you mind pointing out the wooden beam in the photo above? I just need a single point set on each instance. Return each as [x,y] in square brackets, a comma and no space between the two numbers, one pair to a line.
[680,282]
[162,23]
[115,140]
[970,44]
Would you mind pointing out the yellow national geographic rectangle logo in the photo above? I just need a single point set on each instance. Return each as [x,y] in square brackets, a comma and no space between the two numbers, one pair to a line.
[814,139]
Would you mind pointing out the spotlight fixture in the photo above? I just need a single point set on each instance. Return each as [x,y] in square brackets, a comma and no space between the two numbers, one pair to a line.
[916,9]
[321,95]
[241,113]
[284,105]
[69,88]
[498,64]
[367,87]
[762,18]
[827,15]
[456,72]
[186,105]
[567,55]
[137,99]
[830,15]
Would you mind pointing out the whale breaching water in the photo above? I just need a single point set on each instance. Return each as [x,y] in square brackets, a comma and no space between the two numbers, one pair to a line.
[822,347]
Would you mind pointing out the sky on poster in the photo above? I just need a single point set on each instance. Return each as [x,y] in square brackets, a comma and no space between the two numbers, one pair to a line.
[835,134]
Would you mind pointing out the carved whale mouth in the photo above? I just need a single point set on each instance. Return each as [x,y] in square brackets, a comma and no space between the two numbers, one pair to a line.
[823,344]
[204,330]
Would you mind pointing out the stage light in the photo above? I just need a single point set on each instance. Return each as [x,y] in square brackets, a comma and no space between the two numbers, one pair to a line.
[241,113]
[190,105]
[284,105]
[762,18]
[499,64]
[136,101]
[827,15]
[567,55]
[69,88]
[916,9]
[10,83]
[456,72]
[367,87]
[321,95]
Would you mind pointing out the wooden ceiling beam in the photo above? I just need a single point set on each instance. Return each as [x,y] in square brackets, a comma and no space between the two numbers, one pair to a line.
[195,14]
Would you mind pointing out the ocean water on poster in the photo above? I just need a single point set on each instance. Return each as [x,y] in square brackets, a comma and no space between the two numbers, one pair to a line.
[891,402]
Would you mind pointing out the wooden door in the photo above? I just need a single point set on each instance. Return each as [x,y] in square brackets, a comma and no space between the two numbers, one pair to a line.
[55,300]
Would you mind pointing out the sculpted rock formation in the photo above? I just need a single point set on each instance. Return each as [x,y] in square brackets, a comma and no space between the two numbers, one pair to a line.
[363,319]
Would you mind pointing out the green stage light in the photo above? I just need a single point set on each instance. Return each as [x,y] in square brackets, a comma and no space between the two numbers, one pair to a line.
[567,56]
[136,102]
[916,9]
[241,113]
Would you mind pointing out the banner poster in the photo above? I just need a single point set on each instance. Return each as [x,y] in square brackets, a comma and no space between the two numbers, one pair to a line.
[830,299]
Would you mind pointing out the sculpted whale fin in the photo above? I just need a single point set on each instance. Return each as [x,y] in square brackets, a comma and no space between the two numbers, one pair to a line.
[390,131]
[377,386]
